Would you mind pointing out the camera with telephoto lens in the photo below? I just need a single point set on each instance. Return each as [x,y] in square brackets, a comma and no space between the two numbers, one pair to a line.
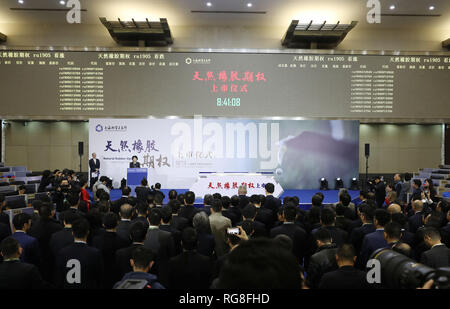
[400,272]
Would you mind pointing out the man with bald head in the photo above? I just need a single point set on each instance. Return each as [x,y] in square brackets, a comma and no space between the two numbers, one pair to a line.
[394,209]
[243,198]
[398,185]
[416,220]
[94,166]
[123,229]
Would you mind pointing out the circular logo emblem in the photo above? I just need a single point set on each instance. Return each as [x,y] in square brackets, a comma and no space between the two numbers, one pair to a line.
[99,128]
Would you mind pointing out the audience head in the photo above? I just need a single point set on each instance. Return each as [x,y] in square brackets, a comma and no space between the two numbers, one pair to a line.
[397,177]
[166,214]
[367,212]
[363,195]
[144,182]
[382,217]
[270,188]
[394,209]
[138,232]
[400,219]
[80,229]
[159,198]
[431,236]
[226,201]
[142,209]
[154,217]
[235,200]
[327,216]
[69,217]
[172,195]
[345,199]
[189,198]
[22,221]
[255,200]
[216,206]
[142,259]
[175,206]
[126,211]
[290,212]
[392,232]
[417,183]
[189,239]
[323,237]
[46,211]
[157,186]
[110,221]
[417,205]
[242,190]
[126,191]
[208,199]
[249,212]
[201,222]
[284,241]
[345,255]
[10,248]
[317,200]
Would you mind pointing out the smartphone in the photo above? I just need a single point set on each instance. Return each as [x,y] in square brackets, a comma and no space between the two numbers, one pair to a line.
[234,231]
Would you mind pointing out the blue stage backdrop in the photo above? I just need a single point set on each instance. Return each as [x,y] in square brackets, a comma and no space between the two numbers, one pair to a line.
[298,152]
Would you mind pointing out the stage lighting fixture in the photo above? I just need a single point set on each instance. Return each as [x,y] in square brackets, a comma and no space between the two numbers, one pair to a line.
[354,184]
[323,184]
[3,38]
[339,184]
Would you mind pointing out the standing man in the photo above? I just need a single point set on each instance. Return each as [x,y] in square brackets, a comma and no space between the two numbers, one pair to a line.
[94,166]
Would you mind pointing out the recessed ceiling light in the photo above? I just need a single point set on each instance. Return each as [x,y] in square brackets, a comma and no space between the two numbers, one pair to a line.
[249,5]
[431,8]
[62,2]
[20,1]
[208,4]
[392,7]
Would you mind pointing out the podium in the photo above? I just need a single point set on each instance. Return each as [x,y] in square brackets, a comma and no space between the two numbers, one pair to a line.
[134,177]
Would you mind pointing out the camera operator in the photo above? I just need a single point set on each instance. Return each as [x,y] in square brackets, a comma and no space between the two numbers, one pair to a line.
[60,194]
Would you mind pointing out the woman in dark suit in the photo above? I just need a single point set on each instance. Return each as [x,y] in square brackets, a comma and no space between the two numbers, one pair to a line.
[135,163]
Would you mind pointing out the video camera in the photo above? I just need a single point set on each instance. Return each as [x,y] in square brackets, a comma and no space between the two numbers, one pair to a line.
[400,272]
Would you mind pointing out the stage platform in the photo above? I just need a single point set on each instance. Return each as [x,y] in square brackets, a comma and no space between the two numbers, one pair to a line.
[330,196]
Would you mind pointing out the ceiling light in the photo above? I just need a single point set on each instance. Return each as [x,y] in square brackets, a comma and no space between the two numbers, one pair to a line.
[392,7]
[20,1]
[431,8]
[208,4]
[62,2]
[249,5]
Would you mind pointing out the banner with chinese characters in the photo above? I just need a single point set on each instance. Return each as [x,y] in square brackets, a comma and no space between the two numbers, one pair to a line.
[228,184]
[176,151]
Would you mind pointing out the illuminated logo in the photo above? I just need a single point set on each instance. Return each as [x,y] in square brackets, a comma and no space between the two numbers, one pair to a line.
[99,128]
[74,14]
[374,14]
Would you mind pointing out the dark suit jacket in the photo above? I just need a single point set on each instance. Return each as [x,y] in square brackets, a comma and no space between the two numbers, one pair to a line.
[415,221]
[60,240]
[259,228]
[108,243]
[42,231]
[339,236]
[4,231]
[123,257]
[21,276]
[372,242]
[91,266]
[298,236]
[272,203]
[206,244]
[93,166]
[123,230]
[344,223]
[321,262]
[346,277]
[190,270]
[380,193]
[265,216]
[232,215]
[438,256]
[142,193]
[188,212]
[178,222]
[31,251]
[243,201]
[176,236]
[445,232]
[357,235]
[137,165]
[140,219]
[115,205]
